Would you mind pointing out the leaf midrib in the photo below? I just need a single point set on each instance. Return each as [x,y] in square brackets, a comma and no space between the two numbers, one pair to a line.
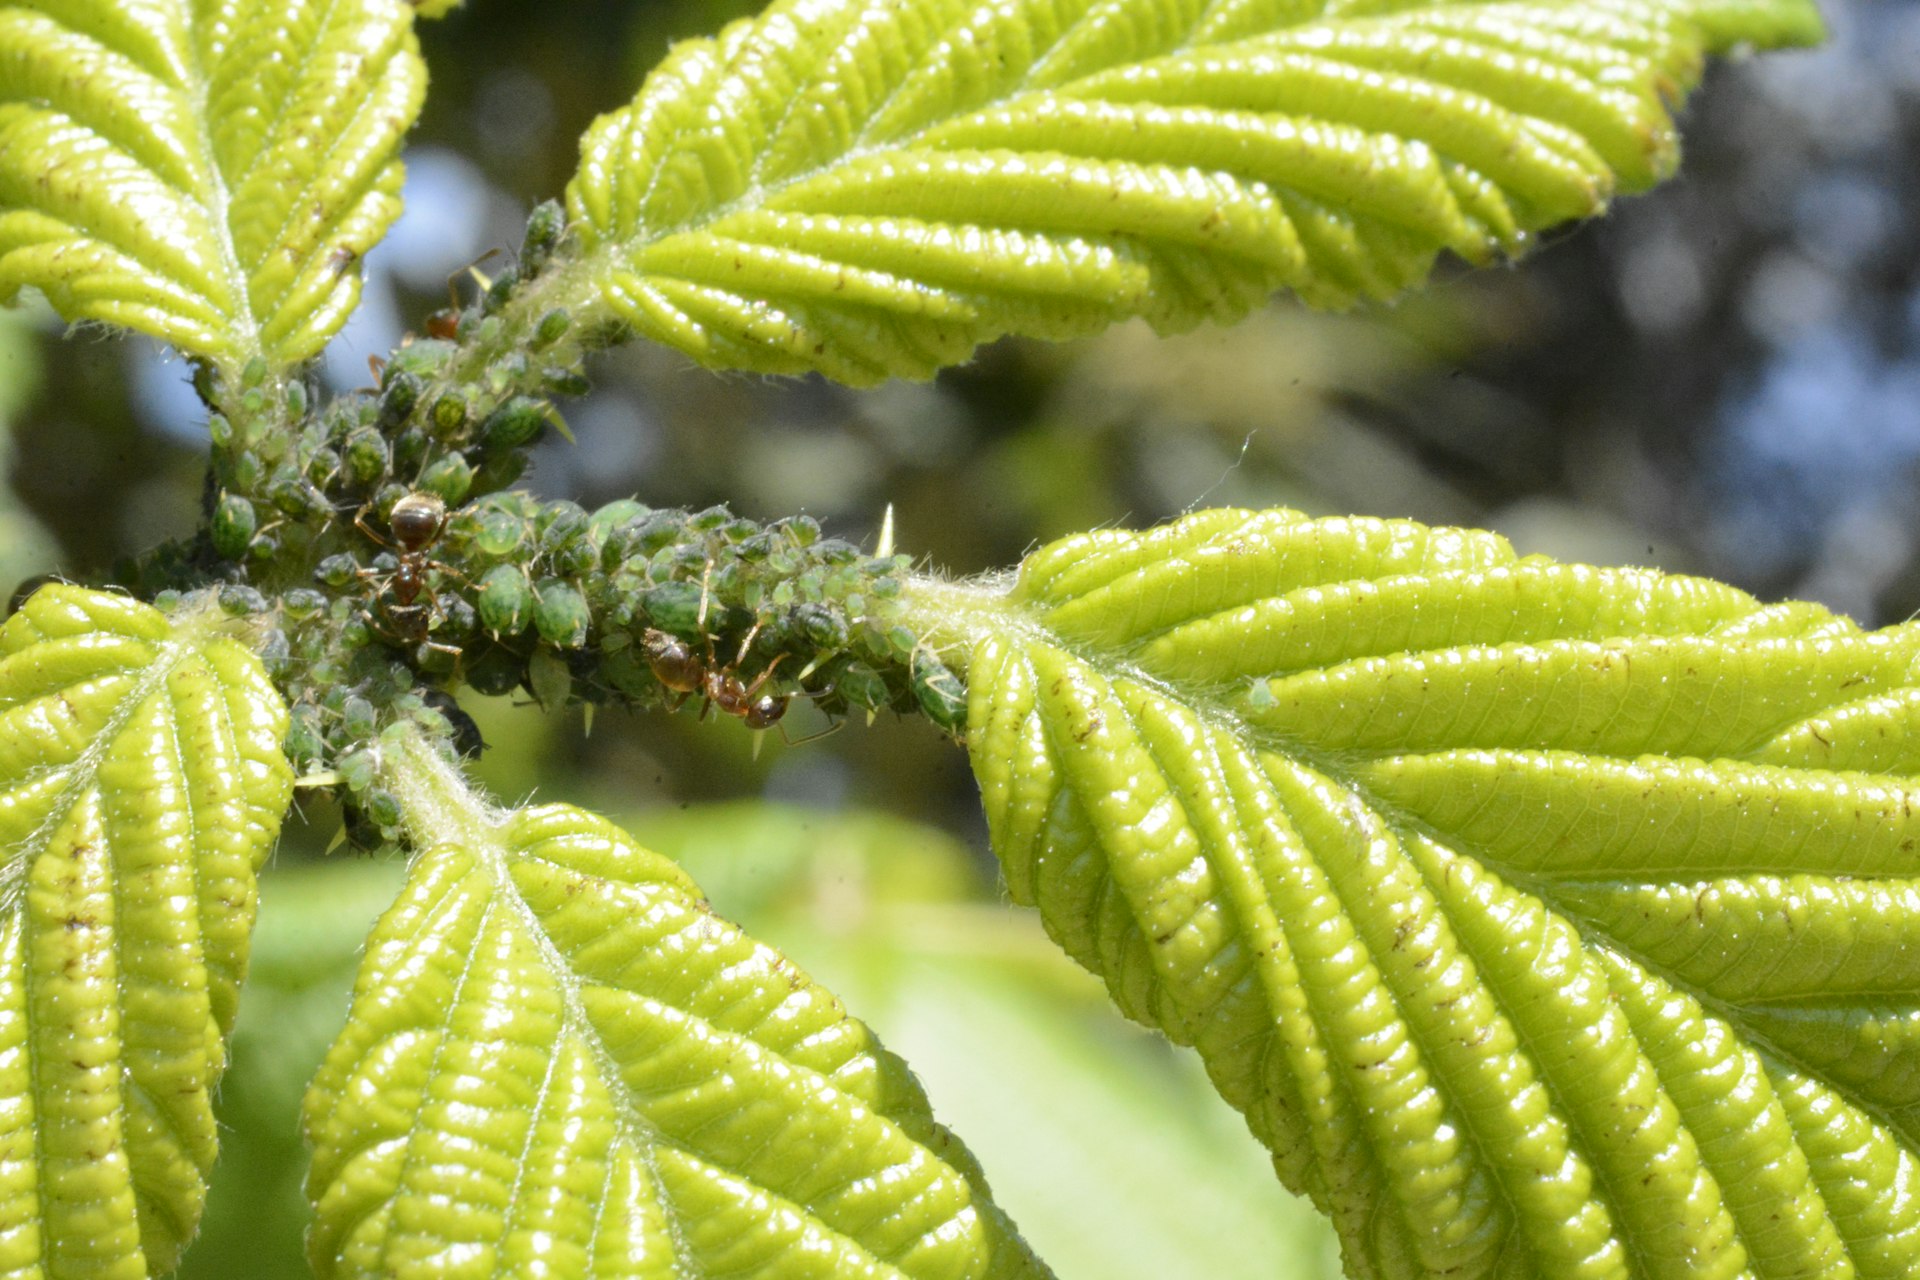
[759,194]
[242,325]
[1023,622]
[83,769]
[440,810]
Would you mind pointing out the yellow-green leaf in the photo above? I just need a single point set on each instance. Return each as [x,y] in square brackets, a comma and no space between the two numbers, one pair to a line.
[209,172]
[141,786]
[558,1057]
[1544,920]
[872,189]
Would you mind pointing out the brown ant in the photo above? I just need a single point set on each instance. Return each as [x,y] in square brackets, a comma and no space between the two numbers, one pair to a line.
[676,666]
[445,324]
[417,521]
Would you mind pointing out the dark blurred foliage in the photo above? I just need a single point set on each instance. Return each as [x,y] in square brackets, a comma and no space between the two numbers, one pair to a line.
[1723,377]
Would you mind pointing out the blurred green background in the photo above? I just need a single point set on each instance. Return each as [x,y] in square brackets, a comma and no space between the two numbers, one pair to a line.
[1723,377]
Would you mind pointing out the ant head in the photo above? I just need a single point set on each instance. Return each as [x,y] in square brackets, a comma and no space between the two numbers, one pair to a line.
[417,520]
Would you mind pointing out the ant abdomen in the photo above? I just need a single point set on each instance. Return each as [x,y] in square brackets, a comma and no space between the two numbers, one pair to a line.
[673,664]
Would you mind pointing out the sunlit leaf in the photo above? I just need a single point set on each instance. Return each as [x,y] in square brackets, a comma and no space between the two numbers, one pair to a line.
[1107,1147]
[313,923]
[141,785]
[210,173]
[1543,920]
[868,188]
[557,1052]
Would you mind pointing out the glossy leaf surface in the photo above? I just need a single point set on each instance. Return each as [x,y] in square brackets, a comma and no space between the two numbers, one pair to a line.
[1112,1153]
[560,1062]
[1544,920]
[866,188]
[141,786]
[207,171]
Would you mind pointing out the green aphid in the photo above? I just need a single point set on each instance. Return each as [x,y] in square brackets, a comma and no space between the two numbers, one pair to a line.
[336,571]
[398,398]
[626,670]
[449,478]
[563,381]
[551,327]
[823,626]
[674,606]
[234,523]
[240,600]
[939,692]
[383,807]
[548,678]
[561,615]
[506,601]
[358,719]
[365,459]
[358,769]
[302,603]
[560,523]
[499,470]
[449,415]
[514,424]
[499,533]
[860,685]
[545,225]
[420,359]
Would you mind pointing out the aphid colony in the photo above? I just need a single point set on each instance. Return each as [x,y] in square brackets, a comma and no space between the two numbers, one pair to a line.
[408,602]
[507,593]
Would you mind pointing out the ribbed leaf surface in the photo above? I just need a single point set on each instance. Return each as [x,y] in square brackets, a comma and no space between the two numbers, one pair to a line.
[560,1062]
[1545,921]
[206,171]
[141,786]
[869,188]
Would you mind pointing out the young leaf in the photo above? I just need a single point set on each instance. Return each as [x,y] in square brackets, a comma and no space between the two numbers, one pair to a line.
[869,189]
[1543,920]
[558,1053]
[141,785]
[209,173]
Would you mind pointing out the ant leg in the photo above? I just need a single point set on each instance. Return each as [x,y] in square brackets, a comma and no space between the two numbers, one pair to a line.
[833,727]
[454,651]
[759,681]
[746,643]
[360,523]
[706,580]
[451,572]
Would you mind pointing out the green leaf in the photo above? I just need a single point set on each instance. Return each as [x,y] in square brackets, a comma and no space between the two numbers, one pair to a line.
[210,173]
[313,921]
[557,1052]
[1543,920]
[1111,1151]
[870,189]
[141,786]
